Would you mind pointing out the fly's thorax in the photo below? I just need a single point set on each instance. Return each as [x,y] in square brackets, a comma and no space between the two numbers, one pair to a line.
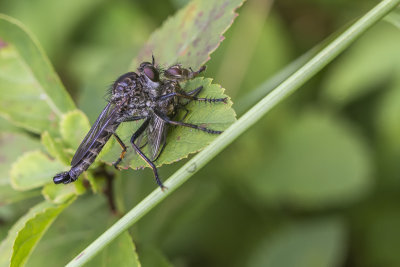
[134,112]
[151,88]
[125,88]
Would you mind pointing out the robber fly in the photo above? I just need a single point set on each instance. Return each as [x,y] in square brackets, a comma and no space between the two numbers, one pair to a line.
[151,95]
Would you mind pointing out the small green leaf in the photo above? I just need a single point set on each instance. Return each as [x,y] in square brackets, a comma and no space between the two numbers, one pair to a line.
[74,127]
[197,31]
[308,244]
[181,141]
[12,146]
[26,233]
[55,148]
[120,252]
[32,94]
[59,194]
[34,169]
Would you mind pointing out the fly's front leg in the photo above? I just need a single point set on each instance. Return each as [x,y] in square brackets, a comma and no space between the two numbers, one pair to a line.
[194,97]
[195,93]
[139,131]
[124,148]
[189,125]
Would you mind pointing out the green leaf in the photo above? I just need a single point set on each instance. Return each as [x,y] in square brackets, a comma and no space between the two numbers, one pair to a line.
[120,252]
[182,141]
[75,227]
[317,161]
[394,17]
[34,169]
[151,256]
[26,233]
[7,126]
[365,67]
[308,244]
[197,31]
[32,94]
[388,116]
[52,27]
[60,194]
[55,148]
[74,127]
[12,146]
[387,128]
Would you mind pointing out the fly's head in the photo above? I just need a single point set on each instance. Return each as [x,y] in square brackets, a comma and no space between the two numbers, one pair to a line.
[150,77]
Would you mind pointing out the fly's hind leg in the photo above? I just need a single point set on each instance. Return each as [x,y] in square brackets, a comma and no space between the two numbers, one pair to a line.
[123,152]
[139,131]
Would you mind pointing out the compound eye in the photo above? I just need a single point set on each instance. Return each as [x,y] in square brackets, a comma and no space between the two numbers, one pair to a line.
[143,65]
[151,73]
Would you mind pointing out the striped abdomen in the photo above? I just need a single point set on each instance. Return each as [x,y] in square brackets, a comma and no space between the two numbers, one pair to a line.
[88,158]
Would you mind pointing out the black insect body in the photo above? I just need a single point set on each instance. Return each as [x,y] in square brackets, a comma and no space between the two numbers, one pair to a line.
[151,95]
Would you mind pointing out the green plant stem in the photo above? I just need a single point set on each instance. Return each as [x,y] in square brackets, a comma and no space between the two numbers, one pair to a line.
[297,79]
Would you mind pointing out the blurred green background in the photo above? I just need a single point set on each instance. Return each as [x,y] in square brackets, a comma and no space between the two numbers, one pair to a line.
[315,183]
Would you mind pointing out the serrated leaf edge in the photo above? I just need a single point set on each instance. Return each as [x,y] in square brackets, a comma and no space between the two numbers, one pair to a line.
[159,29]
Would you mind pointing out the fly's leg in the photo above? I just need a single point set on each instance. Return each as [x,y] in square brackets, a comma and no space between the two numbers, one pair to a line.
[194,126]
[194,92]
[123,146]
[194,97]
[142,155]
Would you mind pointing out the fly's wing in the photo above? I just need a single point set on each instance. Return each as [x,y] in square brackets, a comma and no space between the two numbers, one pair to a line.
[156,136]
[106,117]
[142,140]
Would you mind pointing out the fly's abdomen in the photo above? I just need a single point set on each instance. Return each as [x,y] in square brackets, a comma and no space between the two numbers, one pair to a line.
[92,153]
[89,157]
